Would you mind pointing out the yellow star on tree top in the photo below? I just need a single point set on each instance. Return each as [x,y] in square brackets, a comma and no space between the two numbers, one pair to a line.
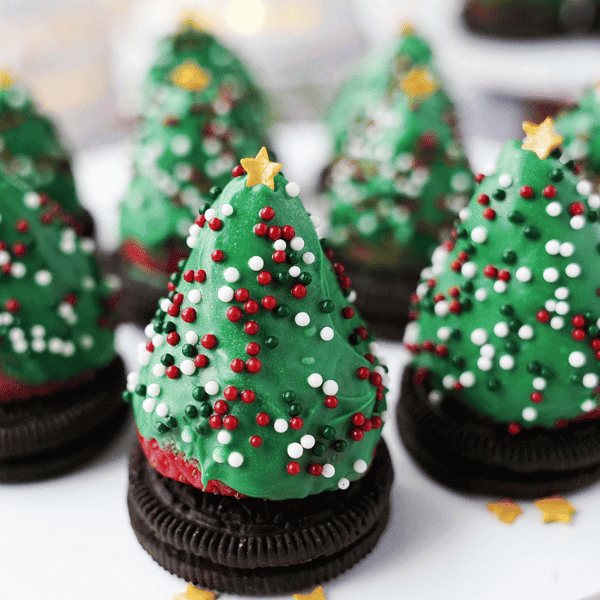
[6,80]
[419,84]
[193,593]
[190,20]
[260,170]
[190,76]
[555,509]
[506,510]
[316,594]
[542,138]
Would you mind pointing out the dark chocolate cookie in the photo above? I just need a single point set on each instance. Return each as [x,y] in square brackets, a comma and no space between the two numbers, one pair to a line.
[53,433]
[466,452]
[250,546]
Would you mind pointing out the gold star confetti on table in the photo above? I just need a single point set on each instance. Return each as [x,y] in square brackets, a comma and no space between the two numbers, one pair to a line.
[419,84]
[506,510]
[6,80]
[316,594]
[555,509]
[193,593]
[260,170]
[190,76]
[542,138]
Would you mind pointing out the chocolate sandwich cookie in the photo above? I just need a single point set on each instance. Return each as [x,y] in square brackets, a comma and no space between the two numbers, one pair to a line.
[53,432]
[258,384]
[502,396]
[469,453]
[252,546]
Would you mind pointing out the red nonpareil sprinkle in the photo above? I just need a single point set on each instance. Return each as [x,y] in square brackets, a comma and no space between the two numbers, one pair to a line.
[274,233]
[367,425]
[438,297]
[172,372]
[479,177]
[173,338]
[269,302]
[251,327]
[19,249]
[248,396]
[238,171]
[376,422]
[251,307]
[22,226]
[358,419]
[296,423]
[454,292]
[315,469]
[237,365]
[178,298]
[536,397]
[375,379]
[299,291]
[293,468]
[234,314]
[578,321]
[253,365]
[357,435]
[331,402]
[242,294]
[217,255]
[441,350]
[264,278]
[215,422]
[363,332]
[266,213]
[549,191]
[12,305]
[490,271]
[455,266]
[345,282]
[489,214]
[578,335]
[363,373]
[173,310]
[208,341]
[370,358]
[576,208]
[255,441]
[514,428]
[279,256]
[262,419]
[347,312]
[221,407]
[150,346]
[200,220]
[189,276]
[201,361]
[253,349]
[526,191]
[457,386]
[260,229]
[329,253]
[288,232]
[200,276]
[455,307]
[215,224]
[463,256]
[230,392]
[483,199]
[542,316]
[230,422]
[171,286]
[504,275]
[595,344]
[188,314]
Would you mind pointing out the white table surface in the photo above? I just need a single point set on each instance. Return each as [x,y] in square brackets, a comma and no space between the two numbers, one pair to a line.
[70,539]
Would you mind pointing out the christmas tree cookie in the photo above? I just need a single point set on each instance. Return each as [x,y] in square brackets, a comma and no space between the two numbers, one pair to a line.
[200,119]
[260,399]
[501,394]
[31,149]
[580,129]
[394,189]
[531,18]
[60,379]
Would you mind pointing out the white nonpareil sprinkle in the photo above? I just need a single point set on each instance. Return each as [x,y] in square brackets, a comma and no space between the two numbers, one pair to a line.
[43,277]
[505,180]
[479,336]
[186,436]
[148,404]
[191,337]
[435,396]
[343,483]
[488,351]
[441,308]
[562,307]
[154,389]
[577,222]
[506,362]
[315,380]
[328,470]
[225,294]
[577,359]
[165,304]
[191,241]
[256,263]
[231,274]
[360,466]
[500,286]
[279,245]
[316,221]
[550,274]
[224,437]
[235,459]
[211,388]
[554,209]
[467,379]
[443,333]
[584,187]
[481,295]
[157,340]
[469,269]
[484,363]
[227,210]
[552,247]
[194,296]
[562,293]
[523,274]
[210,214]
[292,189]
[294,271]
[448,381]
[539,383]
[526,332]
[308,258]
[479,235]
[188,367]
[590,380]
[297,243]
[573,270]
[162,410]
[529,413]
[307,441]
[566,249]
[557,323]
[327,334]
[588,405]
[295,450]
[159,370]
[280,425]
[330,387]
[31,200]
[501,329]
[302,319]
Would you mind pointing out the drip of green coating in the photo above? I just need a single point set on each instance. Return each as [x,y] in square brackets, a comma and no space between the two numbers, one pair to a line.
[507,316]
[399,175]
[31,149]
[53,305]
[189,139]
[580,128]
[268,383]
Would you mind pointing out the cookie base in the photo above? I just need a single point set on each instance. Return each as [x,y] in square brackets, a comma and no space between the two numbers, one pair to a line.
[468,453]
[52,434]
[250,546]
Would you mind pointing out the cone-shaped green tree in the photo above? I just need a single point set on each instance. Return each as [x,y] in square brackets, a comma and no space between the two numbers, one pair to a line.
[259,377]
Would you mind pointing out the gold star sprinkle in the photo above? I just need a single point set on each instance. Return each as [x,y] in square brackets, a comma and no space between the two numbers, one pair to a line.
[542,138]
[506,510]
[260,170]
[407,30]
[555,509]
[193,593]
[6,80]
[419,84]
[190,20]
[316,594]
[190,76]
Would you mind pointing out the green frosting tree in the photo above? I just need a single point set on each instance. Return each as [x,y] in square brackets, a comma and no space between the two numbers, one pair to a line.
[400,176]
[259,378]
[365,82]
[508,316]
[31,149]
[202,114]
[53,322]
[580,128]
